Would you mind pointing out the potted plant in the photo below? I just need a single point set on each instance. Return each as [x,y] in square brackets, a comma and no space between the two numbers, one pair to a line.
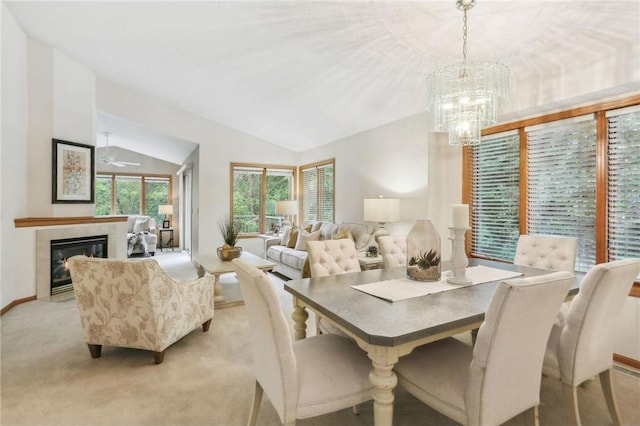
[229,230]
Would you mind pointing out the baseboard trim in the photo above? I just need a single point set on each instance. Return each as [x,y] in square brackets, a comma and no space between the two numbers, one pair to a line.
[627,361]
[16,303]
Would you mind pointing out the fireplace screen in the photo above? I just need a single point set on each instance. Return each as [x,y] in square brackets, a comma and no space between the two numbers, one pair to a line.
[61,250]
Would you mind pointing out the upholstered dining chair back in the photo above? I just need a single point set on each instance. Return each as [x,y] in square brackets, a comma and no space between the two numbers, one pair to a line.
[581,342]
[546,252]
[505,373]
[330,257]
[135,304]
[271,346]
[305,378]
[393,249]
[498,378]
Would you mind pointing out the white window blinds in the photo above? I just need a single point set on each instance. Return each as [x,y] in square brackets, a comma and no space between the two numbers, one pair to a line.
[496,196]
[318,193]
[623,204]
[561,184]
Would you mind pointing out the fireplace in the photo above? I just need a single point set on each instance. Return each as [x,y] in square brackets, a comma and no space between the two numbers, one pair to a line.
[62,249]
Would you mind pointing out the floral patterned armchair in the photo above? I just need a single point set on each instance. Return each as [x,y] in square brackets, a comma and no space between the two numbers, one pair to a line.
[134,304]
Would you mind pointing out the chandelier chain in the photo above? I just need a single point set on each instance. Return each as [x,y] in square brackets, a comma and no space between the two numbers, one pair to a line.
[464,36]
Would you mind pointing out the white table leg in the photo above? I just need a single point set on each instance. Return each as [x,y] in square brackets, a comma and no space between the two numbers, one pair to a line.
[384,380]
[299,316]
[217,289]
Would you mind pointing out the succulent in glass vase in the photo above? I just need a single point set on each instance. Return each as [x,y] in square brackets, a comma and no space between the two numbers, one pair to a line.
[423,252]
[230,231]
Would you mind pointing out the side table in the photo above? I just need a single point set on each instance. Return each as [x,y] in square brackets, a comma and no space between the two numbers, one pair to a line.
[367,263]
[169,244]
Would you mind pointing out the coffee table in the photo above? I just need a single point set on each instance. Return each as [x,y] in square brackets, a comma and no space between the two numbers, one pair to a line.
[216,267]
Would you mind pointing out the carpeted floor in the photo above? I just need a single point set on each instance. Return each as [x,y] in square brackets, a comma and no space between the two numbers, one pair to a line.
[48,378]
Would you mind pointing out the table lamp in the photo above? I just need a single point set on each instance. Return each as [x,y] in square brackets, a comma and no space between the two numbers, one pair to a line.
[166,210]
[287,208]
[381,210]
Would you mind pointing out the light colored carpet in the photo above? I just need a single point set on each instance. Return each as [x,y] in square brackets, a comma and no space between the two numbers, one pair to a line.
[48,378]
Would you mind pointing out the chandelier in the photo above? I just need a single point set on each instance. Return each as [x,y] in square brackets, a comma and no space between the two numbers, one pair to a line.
[465,96]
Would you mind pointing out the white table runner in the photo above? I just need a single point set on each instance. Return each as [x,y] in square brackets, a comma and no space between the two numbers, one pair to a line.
[404,288]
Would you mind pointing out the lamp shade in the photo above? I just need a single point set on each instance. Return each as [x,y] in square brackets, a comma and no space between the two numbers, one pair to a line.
[287,207]
[381,210]
[165,209]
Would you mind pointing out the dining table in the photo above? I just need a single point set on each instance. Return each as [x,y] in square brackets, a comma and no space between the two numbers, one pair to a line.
[387,330]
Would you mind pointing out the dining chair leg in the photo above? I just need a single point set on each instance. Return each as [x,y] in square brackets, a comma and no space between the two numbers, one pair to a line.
[255,406]
[606,380]
[356,409]
[532,416]
[570,396]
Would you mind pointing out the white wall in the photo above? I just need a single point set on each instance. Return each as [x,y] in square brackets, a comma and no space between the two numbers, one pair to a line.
[218,146]
[45,95]
[403,159]
[13,152]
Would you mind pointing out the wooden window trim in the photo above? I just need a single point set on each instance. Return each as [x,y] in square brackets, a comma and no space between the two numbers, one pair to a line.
[142,177]
[315,165]
[599,109]
[263,190]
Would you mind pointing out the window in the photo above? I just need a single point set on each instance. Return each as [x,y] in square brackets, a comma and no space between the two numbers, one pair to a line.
[623,204]
[317,183]
[561,184]
[579,176]
[132,194]
[496,196]
[255,189]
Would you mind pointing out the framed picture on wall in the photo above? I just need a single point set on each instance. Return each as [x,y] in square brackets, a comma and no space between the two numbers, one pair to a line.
[73,172]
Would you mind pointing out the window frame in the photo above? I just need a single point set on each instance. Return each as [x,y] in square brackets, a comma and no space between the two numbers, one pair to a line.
[599,110]
[263,190]
[112,176]
[316,165]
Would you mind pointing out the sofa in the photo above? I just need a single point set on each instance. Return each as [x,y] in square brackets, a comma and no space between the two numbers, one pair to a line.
[142,235]
[289,253]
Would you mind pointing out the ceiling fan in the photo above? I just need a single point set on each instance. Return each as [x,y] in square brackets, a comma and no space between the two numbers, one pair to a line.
[110,161]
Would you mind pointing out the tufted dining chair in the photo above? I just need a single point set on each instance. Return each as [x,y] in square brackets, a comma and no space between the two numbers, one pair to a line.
[331,257]
[305,378]
[393,249]
[500,376]
[581,342]
[546,252]
[135,304]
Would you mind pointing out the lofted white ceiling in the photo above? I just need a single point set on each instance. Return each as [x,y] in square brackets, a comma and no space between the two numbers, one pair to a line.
[301,74]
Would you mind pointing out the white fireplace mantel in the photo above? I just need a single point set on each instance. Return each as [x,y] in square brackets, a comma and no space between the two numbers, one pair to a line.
[47,229]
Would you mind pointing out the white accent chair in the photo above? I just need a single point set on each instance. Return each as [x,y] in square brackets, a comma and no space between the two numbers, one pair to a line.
[500,376]
[546,252]
[581,342]
[135,304]
[393,249]
[331,257]
[305,378]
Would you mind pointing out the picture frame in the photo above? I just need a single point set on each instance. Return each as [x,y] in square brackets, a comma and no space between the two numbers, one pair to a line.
[73,170]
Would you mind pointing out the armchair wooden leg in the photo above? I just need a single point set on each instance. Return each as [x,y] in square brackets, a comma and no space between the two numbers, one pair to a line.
[95,350]
[255,406]
[356,409]
[606,380]
[158,357]
[570,396]
[205,325]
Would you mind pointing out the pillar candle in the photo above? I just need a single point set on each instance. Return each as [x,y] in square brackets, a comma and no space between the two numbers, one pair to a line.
[460,215]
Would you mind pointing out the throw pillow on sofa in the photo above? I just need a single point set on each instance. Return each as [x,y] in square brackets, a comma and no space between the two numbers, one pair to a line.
[293,238]
[286,233]
[141,225]
[304,236]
